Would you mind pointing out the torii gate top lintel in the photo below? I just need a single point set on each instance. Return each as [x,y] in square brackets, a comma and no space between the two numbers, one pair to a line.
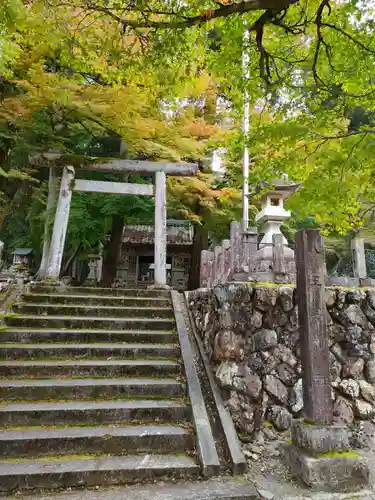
[93,164]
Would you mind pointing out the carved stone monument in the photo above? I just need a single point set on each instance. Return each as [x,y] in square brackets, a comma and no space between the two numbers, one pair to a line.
[319,454]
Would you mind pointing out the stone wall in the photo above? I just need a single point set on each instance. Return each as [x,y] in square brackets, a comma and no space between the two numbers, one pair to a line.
[251,337]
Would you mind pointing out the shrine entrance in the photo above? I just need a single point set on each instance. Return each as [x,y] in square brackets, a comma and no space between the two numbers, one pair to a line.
[69,184]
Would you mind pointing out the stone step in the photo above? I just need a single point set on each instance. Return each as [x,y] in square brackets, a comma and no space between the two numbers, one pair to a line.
[109,292]
[86,310]
[93,412]
[221,488]
[75,299]
[25,335]
[109,351]
[41,390]
[86,472]
[95,440]
[93,368]
[91,322]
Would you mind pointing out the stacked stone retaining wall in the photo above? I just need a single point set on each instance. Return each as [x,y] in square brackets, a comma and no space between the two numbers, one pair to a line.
[251,336]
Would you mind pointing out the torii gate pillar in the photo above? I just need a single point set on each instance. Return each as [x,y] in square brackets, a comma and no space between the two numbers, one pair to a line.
[160,258]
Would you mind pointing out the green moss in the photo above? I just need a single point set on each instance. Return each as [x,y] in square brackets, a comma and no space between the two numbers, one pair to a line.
[309,423]
[244,438]
[149,397]
[239,480]
[339,454]
[52,458]
[268,424]
[134,423]
[265,284]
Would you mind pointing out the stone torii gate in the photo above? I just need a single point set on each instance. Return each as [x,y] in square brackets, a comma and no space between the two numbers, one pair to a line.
[70,184]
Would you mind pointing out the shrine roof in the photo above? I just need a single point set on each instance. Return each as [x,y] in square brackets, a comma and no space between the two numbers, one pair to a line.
[22,251]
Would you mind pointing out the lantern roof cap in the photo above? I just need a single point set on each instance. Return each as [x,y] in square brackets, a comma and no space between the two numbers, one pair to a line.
[281,187]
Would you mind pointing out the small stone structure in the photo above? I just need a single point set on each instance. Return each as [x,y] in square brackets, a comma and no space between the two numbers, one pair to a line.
[22,257]
[251,335]
[136,264]
[273,251]
[95,267]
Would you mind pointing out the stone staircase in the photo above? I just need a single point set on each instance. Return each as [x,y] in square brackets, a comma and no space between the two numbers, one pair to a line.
[93,392]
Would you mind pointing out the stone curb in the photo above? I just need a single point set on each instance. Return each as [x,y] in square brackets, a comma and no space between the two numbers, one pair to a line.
[237,458]
[206,448]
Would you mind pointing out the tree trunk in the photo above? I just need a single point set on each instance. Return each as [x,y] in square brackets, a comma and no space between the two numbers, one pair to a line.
[70,260]
[51,201]
[112,251]
[200,242]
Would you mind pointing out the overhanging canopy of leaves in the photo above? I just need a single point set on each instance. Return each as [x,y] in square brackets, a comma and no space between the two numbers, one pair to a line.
[311,84]
[77,91]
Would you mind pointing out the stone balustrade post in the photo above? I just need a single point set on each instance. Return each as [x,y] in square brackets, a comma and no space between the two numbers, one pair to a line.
[210,270]
[237,248]
[204,269]
[251,247]
[278,254]
[217,263]
[225,261]
[359,258]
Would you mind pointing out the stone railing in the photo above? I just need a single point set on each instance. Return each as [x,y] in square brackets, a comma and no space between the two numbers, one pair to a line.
[241,258]
[237,259]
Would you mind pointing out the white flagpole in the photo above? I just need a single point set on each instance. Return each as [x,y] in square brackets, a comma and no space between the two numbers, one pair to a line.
[246,128]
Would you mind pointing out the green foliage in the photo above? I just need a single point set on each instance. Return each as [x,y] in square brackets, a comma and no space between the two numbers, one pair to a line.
[83,93]
[77,78]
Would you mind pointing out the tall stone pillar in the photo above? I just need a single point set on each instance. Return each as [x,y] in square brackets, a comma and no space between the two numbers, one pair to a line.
[312,323]
[160,258]
[316,453]
[56,250]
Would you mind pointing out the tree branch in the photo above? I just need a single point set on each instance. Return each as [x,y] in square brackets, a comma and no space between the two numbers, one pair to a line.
[350,37]
[348,134]
[318,21]
[202,18]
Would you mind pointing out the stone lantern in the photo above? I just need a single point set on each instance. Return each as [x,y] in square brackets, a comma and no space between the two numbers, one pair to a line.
[273,215]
